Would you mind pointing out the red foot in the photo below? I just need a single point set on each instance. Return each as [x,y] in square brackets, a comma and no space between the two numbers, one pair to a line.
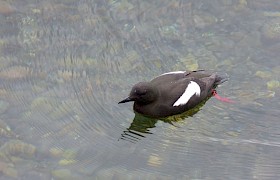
[215,94]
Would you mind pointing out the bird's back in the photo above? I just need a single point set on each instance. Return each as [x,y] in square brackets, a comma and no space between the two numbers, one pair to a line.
[179,91]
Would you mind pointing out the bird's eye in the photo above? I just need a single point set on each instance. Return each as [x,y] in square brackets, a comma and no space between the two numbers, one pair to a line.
[141,93]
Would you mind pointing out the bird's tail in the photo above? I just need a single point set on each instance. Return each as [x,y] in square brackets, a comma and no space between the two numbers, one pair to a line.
[220,78]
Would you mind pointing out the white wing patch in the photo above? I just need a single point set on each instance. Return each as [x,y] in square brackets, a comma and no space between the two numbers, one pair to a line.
[192,88]
[174,72]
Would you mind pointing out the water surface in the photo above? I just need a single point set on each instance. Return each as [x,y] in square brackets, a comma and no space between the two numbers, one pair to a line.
[64,65]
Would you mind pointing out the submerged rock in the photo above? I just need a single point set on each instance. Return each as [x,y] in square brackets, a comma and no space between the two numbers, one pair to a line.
[273,84]
[263,74]
[15,72]
[202,21]
[62,174]
[271,31]
[188,62]
[6,8]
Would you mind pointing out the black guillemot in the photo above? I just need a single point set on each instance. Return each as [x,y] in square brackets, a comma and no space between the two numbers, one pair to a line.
[173,92]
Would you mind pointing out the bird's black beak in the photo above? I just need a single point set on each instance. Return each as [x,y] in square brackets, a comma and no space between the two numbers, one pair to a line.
[125,100]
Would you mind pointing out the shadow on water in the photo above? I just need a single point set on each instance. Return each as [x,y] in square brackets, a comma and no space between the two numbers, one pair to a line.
[141,125]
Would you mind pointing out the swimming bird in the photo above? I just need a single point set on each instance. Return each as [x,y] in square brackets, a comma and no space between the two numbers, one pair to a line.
[173,92]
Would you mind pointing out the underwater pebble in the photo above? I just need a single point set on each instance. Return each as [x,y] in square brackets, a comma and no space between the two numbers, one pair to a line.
[271,30]
[154,160]
[272,13]
[42,103]
[69,154]
[16,148]
[263,74]
[6,8]
[169,31]
[65,162]
[204,20]
[55,152]
[232,133]
[62,174]
[5,130]
[189,62]
[273,84]
[15,72]
[7,169]
[270,94]
[241,5]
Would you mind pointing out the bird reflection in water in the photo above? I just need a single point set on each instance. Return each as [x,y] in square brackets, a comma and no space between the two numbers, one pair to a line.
[141,125]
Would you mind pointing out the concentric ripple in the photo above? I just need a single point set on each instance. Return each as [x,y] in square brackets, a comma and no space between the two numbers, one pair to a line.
[65,65]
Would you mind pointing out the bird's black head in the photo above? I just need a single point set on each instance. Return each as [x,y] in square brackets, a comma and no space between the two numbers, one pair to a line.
[142,93]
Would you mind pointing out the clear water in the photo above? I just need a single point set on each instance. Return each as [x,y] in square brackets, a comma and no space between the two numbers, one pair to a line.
[64,65]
